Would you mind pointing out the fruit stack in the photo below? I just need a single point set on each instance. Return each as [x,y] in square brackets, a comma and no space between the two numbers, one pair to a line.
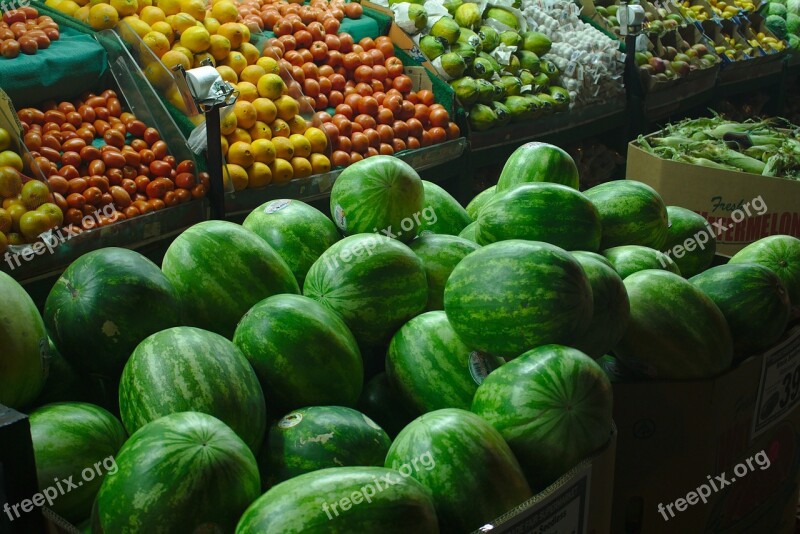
[23,30]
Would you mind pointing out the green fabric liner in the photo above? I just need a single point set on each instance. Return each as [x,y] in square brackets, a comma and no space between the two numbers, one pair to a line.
[384,21]
[71,64]
[358,28]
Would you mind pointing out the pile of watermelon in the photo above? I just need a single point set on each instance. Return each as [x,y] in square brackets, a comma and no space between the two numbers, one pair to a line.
[402,364]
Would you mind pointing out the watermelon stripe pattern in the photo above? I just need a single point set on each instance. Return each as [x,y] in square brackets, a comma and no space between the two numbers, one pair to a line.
[343,500]
[442,213]
[538,162]
[629,259]
[510,296]
[685,228]
[468,467]
[373,282]
[220,270]
[186,472]
[187,369]
[552,405]
[781,254]
[480,200]
[552,213]
[469,232]
[631,213]
[432,367]
[440,254]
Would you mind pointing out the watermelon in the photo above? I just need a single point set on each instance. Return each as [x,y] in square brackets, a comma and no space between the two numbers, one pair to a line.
[611,308]
[507,297]
[780,253]
[690,241]
[432,368]
[552,405]
[475,205]
[538,162]
[594,256]
[187,369]
[25,354]
[302,352]
[753,300]
[468,467]
[632,213]
[101,297]
[615,370]
[442,213]
[552,213]
[343,500]
[629,259]
[298,232]
[381,402]
[70,440]
[675,331]
[186,472]
[440,254]
[469,231]
[318,437]
[373,282]
[63,382]
[220,270]
[378,194]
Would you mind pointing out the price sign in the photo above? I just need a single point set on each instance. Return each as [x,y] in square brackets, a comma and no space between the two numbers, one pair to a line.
[779,391]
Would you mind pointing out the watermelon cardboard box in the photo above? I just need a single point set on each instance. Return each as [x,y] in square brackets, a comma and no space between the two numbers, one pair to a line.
[719,454]
[742,207]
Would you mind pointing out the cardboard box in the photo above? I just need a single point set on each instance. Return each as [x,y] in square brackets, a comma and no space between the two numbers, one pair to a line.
[720,196]
[578,502]
[676,436]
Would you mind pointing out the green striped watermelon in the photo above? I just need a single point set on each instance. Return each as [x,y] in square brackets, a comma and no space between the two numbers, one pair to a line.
[25,350]
[475,205]
[469,232]
[319,437]
[343,500]
[552,213]
[629,259]
[378,194]
[594,256]
[675,331]
[63,383]
[382,403]
[187,369]
[781,254]
[373,282]
[298,232]
[70,440]
[611,308]
[220,270]
[553,407]
[689,229]
[442,213]
[468,467]
[302,352]
[753,300]
[101,297]
[632,213]
[538,162]
[186,472]
[432,368]
[510,296]
[440,254]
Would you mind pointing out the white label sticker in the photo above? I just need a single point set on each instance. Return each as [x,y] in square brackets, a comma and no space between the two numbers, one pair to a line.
[570,70]
[339,218]
[293,419]
[779,391]
[277,205]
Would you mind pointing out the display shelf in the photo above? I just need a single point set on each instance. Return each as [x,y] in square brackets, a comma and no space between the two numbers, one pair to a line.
[319,186]
[17,472]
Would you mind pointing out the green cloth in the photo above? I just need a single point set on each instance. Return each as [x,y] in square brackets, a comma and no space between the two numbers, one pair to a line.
[71,65]
[384,22]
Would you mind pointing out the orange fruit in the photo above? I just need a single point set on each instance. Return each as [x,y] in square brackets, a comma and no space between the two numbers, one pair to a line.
[228,122]
[157,42]
[152,14]
[203,56]
[284,149]
[16,211]
[263,151]
[280,128]
[103,17]
[35,193]
[125,7]
[137,25]
[182,22]
[297,125]
[211,24]
[53,212]
[225,11]
[173,57]
[233,32]
[239,135]
[282,171]
[15,238]
[271,86]
[259,175]
[240,153]
[260,130]
[236,61]
[10,183]
[247,91]
[252,73]
[196,39]
[265,109]
[5,221]
[164,29]
[248,50]
[224,142]
[320,164]
[301,168]
[228,74]
[169,7]
[287,107]
[302,146]
[33,223]
[245,114]
[219,47]
[317,138]
[236,176]
[195,8]
[9,158]
[270,65]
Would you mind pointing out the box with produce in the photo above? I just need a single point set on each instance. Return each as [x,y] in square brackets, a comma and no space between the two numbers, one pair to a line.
[714,167]
[672,58]
[657,19]
[783,20]
[760,34]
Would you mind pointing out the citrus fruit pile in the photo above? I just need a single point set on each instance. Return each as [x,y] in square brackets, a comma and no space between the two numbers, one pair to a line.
[24,31]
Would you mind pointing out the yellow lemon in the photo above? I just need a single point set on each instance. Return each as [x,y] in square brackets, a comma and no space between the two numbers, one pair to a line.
[82,14]
[284,148]
[240,153]
[225,11]
[317,138]
[287,107]
[249,51]
[195,8]
[68,7]
[236,175]
[282,171]
[137,25]
[246,115]
[270,65]
[224,142]
[164,29]
[260,130]
[265,110]
[219,47]
[211,24]
[172,58]
[320,164]
[196,39]
[280,128]
[271,86]
[302,146]
[103,17]
[125,7]
[297,125]
[301,168]
[228,74]
[233,32]
[152,14]
[169,7]
[227,122]
[199,58]
[252,73]
[182,22]
[247,91]
[259,175]
[263,150]
[236,61]
[239,135]
[185,51]
[157,42]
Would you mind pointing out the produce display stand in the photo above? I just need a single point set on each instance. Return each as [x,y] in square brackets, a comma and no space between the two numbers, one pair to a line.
[580,501]
[17,472]
[677,435]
